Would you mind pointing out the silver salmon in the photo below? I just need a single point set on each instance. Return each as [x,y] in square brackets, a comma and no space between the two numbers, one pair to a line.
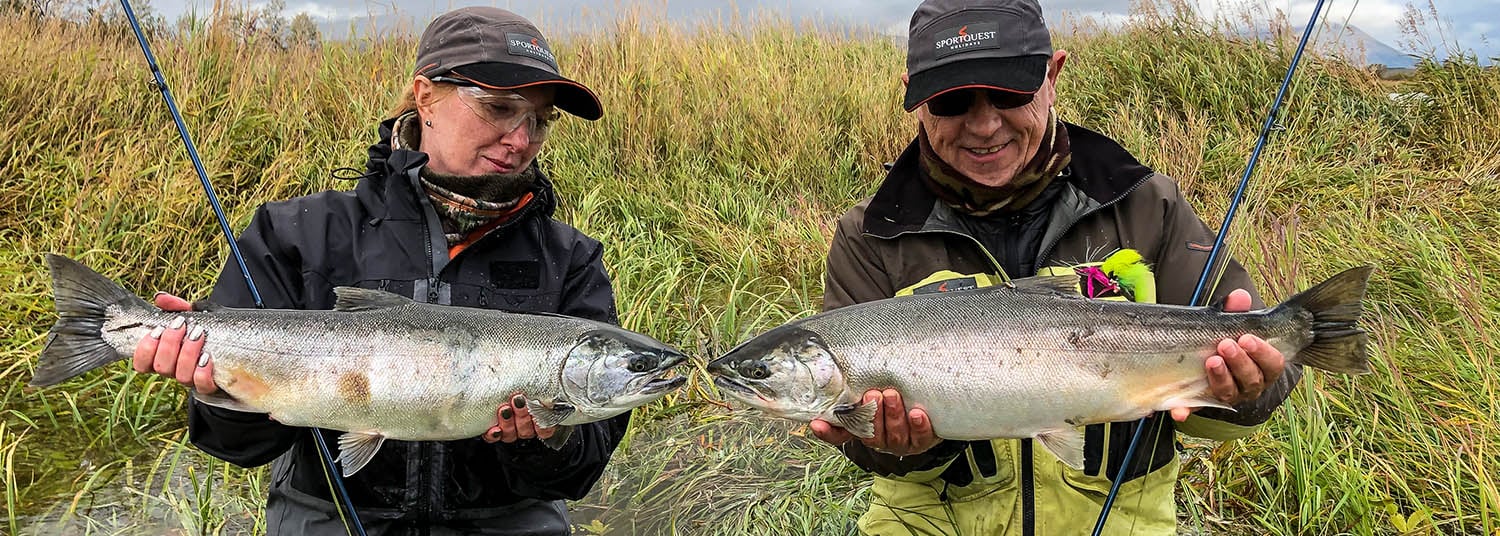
[379,366]
[1030,360]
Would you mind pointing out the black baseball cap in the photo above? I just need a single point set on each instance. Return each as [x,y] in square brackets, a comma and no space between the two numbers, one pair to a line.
[959,44]
[497,49]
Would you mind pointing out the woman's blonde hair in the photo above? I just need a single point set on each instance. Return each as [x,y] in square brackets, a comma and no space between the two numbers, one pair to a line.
[407,102]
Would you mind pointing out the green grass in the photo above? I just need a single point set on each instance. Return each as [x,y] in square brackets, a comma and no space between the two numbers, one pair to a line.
[722,162]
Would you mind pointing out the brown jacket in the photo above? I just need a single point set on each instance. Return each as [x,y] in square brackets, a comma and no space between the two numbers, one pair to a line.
[903,235]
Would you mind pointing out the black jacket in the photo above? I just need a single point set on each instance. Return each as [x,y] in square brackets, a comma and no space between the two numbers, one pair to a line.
[385,235]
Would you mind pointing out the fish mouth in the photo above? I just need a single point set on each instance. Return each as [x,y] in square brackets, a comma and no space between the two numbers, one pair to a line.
[662,385]
[734,386]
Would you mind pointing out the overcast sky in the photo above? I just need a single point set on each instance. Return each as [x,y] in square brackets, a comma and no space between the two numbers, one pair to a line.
[1472,24]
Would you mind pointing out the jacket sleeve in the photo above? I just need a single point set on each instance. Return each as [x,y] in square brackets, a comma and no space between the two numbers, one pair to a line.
[1185,241]
[249,439]
[535,470]
[855,275]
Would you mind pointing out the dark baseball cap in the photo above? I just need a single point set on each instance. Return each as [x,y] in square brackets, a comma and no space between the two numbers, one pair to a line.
[497,49]
[958,44]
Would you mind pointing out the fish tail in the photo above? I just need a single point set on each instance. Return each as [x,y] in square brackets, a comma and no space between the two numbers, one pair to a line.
[76,344]
[1338,345]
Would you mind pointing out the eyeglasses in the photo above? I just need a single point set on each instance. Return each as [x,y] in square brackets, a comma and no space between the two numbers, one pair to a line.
[958,102]
[504,110]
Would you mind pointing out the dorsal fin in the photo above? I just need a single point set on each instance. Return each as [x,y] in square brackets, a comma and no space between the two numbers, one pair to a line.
[207,306]
[1066,285]
[353,299]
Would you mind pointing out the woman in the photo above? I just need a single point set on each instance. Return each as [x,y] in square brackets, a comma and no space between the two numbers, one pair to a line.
[453,209]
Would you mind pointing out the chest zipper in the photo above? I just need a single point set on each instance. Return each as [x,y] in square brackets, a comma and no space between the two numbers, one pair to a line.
[1047,251]
[1028,491]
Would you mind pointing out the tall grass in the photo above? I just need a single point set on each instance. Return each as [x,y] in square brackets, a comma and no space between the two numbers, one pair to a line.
[723,159]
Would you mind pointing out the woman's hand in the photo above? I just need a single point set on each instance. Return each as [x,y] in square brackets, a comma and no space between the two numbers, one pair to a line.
[176,349]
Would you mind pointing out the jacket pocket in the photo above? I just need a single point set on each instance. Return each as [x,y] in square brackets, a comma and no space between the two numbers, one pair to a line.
[984,468]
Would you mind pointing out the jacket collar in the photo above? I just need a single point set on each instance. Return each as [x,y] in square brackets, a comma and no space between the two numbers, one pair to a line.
[387,187]
[1101,169]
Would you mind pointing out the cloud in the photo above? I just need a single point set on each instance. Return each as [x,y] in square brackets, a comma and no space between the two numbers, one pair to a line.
[1467,21]
[323,12]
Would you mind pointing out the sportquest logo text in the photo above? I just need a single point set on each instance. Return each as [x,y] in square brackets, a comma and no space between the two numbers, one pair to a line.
[968,37]
[525,45]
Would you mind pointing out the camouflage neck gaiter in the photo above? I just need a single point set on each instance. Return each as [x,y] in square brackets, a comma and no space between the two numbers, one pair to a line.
[461,214]
[466,203]
[970,197]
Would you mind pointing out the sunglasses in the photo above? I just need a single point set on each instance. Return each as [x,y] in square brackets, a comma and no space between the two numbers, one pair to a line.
[958,102]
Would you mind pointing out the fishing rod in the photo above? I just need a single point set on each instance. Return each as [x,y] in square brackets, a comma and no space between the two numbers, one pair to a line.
[1213,254]
[234,248]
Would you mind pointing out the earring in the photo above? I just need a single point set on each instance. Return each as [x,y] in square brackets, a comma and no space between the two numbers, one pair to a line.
[428,123]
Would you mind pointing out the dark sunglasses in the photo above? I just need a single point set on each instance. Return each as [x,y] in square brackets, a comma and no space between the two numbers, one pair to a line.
[958,102]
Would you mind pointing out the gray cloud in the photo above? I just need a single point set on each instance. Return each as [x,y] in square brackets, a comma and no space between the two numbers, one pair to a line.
[1469,21]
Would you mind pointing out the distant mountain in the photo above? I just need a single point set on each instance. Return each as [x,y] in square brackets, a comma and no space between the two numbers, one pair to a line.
[1352,41]
[1353,44]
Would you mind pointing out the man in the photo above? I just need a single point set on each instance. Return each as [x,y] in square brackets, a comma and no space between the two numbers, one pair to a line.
[996,186]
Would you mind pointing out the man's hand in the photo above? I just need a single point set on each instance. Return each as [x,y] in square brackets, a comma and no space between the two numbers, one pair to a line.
[514,423]
[176,350]
[897,431]
[1243,368]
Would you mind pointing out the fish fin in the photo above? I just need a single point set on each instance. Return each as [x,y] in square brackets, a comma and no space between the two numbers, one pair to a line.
[1064,443]
[75,344]
[1198,400]
[354,299]
[1066,285]
[548,417]
[356,449]
[559,437]
[1338,345]
[858,419]
[220,399]
[207,306]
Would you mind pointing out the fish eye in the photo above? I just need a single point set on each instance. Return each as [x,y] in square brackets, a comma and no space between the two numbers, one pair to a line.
[754,370]
[641,363]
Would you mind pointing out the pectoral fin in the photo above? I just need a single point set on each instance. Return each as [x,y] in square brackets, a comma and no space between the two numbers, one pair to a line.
[858,419]
[547,416]
[221,399]
[356,449]
[1066,444]
[1201,400]
[559,437]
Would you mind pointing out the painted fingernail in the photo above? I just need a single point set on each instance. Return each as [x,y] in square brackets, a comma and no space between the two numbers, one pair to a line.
[519,401]
[195,333]
[177,322]
[156,333]
[506,414]
[203,360]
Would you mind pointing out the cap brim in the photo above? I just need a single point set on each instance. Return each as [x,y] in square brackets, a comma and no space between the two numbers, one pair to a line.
[1019,74]
[572,97]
